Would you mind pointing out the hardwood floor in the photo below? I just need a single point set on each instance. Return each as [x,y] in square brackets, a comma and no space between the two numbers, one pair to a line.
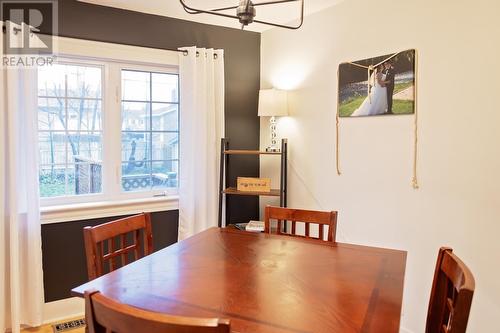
[49,329]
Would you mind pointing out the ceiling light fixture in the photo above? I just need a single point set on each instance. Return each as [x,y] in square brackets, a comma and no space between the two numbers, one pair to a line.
[245,12]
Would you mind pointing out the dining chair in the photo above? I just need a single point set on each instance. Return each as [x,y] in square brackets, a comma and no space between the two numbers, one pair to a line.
[451,295]
[307,217]
[104,315]
[106,243]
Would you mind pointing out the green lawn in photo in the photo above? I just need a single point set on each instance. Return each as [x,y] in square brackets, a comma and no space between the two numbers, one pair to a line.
[398,107]
[402,107]
[402,86]
[349,106]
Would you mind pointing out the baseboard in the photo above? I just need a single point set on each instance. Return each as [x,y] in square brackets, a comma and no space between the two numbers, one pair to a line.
[63,309]
[404,330]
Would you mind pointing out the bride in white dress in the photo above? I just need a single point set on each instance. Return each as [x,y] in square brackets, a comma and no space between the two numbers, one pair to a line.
[376,103]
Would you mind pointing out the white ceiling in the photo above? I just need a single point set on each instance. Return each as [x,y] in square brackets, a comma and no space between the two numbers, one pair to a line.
[281,13]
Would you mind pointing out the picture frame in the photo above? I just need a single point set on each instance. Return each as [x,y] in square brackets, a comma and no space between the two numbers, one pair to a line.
[378,86]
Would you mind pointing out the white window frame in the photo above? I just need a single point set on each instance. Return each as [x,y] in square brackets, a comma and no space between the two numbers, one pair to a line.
[112,58]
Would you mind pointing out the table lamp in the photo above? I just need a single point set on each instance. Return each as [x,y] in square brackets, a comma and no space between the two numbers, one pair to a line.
[273,103]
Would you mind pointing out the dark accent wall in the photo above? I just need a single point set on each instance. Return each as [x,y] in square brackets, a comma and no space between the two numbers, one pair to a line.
[63,252]
[64,262]
[242,70]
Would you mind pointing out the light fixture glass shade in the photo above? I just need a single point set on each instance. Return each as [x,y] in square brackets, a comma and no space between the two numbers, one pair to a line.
[273,103]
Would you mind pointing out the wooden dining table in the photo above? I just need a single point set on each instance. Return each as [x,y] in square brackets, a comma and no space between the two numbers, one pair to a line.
[266,283]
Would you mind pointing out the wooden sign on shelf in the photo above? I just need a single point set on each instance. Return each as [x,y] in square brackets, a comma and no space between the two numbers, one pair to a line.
[249,184]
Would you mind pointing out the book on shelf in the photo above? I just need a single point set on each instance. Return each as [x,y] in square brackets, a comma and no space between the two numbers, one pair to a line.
[252,226]
[240,226]
[255,226]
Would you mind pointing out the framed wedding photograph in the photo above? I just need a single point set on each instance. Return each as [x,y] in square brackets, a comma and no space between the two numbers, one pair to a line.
[382,85]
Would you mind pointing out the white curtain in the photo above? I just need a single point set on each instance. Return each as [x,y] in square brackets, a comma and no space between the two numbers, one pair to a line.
[201,129]
[21,280]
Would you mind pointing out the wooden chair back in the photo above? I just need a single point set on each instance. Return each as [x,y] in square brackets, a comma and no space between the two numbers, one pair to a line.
[451,295]
[108,242]
[308,217]
[104,315]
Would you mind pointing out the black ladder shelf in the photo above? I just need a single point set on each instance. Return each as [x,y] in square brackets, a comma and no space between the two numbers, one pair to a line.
[225,152]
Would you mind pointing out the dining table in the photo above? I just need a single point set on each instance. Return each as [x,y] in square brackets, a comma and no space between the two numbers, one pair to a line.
[266,283]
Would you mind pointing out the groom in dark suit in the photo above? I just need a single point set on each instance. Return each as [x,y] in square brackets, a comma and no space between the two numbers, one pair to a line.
[389,84]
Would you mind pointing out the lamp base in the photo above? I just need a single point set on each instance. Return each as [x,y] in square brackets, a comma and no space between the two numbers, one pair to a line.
[273,148]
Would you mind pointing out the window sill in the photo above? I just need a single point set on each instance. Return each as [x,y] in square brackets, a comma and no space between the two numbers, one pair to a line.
[86,211]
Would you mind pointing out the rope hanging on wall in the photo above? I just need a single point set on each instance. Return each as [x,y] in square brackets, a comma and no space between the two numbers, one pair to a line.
[370,69]
[414,180]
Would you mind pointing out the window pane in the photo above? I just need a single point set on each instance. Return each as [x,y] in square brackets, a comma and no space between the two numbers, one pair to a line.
[70,130]
[136,86]
[84,115]
[135,116]
[51,114]
[84,147]
[164,174]
[136,146]
[84,82]
[70,180]
[165,117]
[165,87]
[52,181]
[51,80]
[86,178]
[150,124]
[165,146]
[52,148]
[136,176]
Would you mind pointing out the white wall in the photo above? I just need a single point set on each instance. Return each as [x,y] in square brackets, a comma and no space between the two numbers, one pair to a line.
[458,203]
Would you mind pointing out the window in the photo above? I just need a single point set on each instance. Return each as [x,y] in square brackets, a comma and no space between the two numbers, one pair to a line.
[150,130]
[70,130]
[107,131]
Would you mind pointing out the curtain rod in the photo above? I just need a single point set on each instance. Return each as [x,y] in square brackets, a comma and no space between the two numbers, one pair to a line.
[184,52]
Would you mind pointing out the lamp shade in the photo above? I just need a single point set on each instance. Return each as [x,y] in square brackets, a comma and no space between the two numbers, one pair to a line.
[273,103]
